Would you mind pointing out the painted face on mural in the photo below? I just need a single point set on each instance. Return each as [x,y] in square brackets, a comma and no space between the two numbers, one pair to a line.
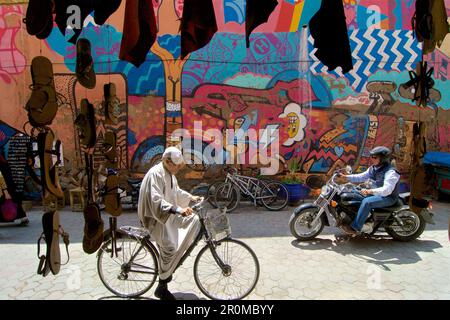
[296,123]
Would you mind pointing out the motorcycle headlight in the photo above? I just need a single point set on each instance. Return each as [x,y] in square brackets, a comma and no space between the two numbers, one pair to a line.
[325,190]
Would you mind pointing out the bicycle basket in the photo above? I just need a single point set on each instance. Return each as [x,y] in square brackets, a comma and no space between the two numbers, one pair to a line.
[218,224]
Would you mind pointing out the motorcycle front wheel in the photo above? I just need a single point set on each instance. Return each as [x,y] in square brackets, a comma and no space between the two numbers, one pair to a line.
[413,226]
[300,224]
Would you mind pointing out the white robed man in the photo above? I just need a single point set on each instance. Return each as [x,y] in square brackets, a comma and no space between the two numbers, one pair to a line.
[164,210]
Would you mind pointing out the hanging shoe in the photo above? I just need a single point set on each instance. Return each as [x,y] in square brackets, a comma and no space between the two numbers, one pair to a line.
[111,104]
[103,9]
[42,105]
[85,64]
[49,175]
[113,205]
[38,15]
[86,124]
[110,150]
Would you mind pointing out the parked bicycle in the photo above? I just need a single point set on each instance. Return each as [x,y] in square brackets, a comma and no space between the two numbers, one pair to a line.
[224,268]
[271,194]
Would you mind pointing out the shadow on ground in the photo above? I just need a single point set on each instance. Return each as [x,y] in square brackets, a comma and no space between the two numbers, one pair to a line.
[382,251]
[178,296]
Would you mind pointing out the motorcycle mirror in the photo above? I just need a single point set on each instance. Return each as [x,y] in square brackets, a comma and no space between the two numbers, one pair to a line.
[348,169]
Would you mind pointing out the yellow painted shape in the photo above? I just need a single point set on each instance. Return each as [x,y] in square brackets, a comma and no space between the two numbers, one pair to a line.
[296,16]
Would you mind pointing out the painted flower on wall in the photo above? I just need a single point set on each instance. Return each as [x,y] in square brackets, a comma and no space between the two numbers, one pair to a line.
[296,123]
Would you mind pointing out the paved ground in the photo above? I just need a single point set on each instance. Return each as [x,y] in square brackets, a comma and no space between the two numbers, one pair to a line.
[320,269]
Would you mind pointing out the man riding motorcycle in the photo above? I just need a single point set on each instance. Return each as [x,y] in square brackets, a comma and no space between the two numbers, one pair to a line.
[386,193]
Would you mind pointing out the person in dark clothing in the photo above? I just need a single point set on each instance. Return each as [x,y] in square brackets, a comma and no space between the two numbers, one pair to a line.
[385,194]
[10,190]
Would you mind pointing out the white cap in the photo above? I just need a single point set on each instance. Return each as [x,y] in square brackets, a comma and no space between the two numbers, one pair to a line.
[174,154]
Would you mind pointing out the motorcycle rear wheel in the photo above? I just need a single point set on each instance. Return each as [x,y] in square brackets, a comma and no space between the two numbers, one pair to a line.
[414,226]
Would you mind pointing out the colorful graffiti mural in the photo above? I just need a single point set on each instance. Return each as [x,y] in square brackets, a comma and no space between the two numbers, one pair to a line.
[326,119]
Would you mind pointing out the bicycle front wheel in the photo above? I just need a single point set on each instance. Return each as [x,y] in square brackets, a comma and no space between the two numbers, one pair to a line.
[238,276]
[274,196]
[130,273]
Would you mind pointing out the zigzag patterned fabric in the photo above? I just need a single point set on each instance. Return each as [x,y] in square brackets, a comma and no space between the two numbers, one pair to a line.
[372,50]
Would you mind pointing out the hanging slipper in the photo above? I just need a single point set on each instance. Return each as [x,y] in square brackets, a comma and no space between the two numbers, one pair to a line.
[103,9]
[110,150]
[112,197]
[111,104]
[47,30]
[51,232]
[86,124]
[47,234]
[49,175]
[39,13]
[42,105]
[93,229]
[85,64]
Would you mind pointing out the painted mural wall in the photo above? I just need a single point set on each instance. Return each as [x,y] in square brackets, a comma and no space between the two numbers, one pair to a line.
[325,119]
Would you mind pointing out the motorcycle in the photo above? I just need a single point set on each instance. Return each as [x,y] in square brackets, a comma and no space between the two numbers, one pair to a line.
[338,205]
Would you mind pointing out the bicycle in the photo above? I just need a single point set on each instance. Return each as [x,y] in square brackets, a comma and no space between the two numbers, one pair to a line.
[220,268]
[272,194]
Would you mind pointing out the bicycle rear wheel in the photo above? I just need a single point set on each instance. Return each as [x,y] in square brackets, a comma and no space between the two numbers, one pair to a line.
[125,277]
[236,280]
[227,195]
[211,193]
[274,196]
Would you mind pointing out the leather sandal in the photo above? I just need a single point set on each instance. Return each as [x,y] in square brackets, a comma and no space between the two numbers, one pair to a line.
[111,104]
[111,196]
[110,150]
[42,105]
[85,64]
[51,261]
[39,12]
[86,124]
[49,174]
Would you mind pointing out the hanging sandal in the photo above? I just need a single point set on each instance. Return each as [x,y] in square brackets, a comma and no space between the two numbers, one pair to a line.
[93,227]
[110,150]
[85,64]
[86,124]
[42,105]
[51,261]
[111,196]
[111,104]
[38,15]
[49,174]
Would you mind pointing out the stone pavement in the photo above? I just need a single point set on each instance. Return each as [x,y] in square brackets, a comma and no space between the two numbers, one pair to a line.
[319,269]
